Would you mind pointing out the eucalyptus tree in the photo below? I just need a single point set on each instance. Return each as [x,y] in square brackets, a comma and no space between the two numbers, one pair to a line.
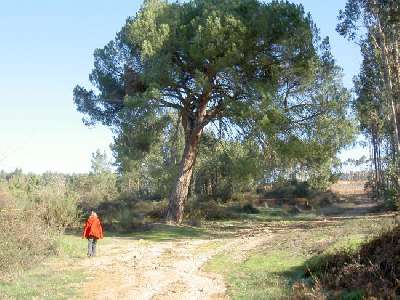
[375,25]
[224,61]
[372,113]
[378,23]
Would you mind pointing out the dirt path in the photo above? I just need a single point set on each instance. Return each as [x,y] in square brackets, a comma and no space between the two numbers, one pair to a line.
[127,268]
[137,269]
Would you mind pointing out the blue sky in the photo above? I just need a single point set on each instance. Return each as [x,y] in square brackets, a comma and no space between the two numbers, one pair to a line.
[46,49]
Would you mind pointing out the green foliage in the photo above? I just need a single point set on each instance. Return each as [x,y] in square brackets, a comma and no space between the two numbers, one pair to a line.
[375,26]
[92,189]
[290,189]
[209,210]
[148,174]
[249,209]
[199,210]
[49,194]
[259,68]
[366,268]
[226,167]
[34,210]
[100,163]
[26,240]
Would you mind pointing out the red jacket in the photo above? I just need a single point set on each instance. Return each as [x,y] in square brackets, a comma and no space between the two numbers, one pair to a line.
[93,228]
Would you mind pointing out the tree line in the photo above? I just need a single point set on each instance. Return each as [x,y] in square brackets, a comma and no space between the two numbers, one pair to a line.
[375,26]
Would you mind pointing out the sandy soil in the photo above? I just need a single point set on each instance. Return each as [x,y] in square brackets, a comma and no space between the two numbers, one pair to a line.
[137,269]
[127,268]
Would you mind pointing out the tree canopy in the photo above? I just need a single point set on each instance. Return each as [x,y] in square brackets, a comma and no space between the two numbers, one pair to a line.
[375,26]
[253,69]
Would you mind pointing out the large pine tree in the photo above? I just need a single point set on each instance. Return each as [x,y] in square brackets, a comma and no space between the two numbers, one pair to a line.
[241,61]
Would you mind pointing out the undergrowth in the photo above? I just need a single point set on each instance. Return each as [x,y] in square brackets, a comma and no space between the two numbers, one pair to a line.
[25,240]
[371,270]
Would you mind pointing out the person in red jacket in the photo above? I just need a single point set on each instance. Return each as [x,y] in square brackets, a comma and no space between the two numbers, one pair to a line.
[92,231]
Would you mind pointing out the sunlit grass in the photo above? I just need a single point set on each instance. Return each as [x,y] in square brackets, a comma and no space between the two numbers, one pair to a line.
[164,232]
[261,276]
[279,214]
[44,282]
[266,273]
[209,246]
[55,278]
[270,271]
[72,246]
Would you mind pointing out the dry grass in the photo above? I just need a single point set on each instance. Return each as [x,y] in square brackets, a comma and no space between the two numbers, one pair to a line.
[369,271]
[345,187]
[25,240]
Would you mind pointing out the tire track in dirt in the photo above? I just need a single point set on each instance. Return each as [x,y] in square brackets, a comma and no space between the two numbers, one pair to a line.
[136,269]
[165,270]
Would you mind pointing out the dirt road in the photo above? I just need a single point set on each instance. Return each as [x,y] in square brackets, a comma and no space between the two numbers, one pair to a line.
[137,269]
[128,268]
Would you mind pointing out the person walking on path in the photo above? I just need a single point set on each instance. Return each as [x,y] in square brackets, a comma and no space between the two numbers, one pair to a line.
[92,231]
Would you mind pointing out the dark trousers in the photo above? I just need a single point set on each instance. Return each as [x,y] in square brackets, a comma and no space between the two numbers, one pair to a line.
[92,246]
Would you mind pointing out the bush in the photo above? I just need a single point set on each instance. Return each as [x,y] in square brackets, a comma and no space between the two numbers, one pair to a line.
[321,199]
[158,210]
[30,226]
[373,269]
[246,208]
[25,240]
[209,210]
[127,213]
[59,211]
[290,190]
[49,195]
[128,220]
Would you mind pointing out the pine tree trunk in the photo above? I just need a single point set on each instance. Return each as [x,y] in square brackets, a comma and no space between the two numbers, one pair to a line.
[193,122]
[180,191]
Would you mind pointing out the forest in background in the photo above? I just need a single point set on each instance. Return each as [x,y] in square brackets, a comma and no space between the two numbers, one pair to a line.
[185,151]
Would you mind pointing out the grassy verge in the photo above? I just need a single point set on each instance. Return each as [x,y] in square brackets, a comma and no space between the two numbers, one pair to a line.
[43,282]
[278,214]
[164,232]
[265,275]
[270,271]
[209,246]
[70,246]
[52,279]
[359,269]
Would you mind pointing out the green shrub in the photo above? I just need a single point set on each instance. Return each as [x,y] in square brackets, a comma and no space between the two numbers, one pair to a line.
[290,190]
[59,211]
[392,199]
[248,208]
[127,213]
[209,210]
[321,199]
[128,220]
[158,210]
[30,226]
[371,270]
[25,240]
